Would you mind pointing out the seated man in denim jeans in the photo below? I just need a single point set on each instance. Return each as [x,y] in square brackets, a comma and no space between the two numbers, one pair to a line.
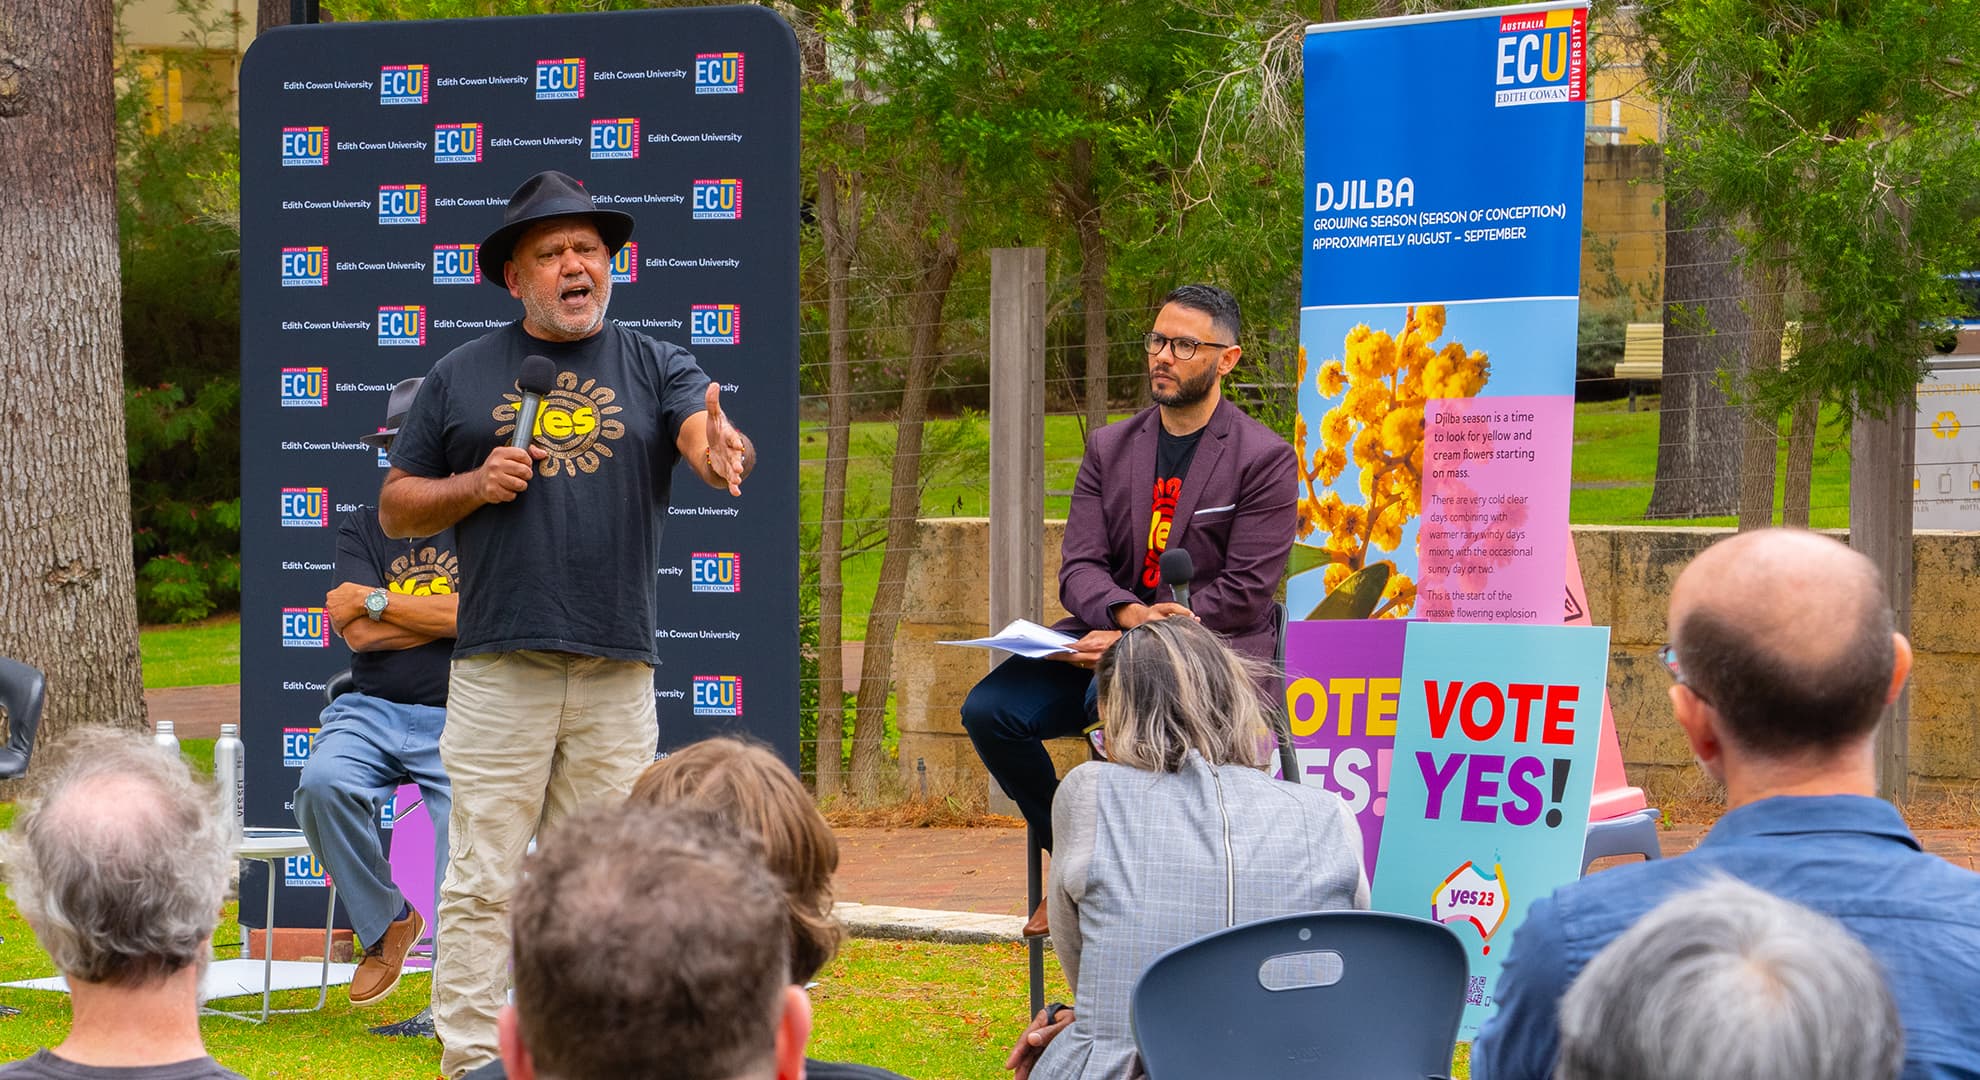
[395,607]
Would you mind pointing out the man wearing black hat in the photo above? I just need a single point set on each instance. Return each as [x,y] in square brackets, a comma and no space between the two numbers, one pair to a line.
[395,606]
[550,704]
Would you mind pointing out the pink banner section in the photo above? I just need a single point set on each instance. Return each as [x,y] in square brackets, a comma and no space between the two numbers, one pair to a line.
[1495,500]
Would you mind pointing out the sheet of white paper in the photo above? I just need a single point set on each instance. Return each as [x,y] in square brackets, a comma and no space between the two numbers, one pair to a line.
[1023,638]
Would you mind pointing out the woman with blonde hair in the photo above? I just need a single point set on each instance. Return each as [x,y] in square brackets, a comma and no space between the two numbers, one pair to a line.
[1178,834]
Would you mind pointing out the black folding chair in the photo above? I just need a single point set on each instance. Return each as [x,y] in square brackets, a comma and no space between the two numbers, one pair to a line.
[1334,995]
[22,692]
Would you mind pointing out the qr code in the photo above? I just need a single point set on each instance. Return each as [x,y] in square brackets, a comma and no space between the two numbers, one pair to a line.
[1474,991]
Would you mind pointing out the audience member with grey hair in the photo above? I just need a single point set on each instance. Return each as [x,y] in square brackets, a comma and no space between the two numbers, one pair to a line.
[120,864]
[1728,981]
[1177,834]
[1783,659]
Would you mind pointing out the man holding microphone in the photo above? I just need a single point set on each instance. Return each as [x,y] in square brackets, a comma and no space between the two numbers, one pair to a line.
[557,493]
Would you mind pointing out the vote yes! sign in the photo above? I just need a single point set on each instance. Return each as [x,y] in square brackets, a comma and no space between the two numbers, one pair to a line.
[1497,729]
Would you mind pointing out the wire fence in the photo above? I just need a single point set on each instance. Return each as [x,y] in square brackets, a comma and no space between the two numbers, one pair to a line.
[1621,459]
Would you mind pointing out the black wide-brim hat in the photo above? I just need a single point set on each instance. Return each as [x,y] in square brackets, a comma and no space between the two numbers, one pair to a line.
[547,195]
[396,408]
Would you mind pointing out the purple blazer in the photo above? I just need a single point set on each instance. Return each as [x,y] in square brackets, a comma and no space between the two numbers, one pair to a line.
[1235,516]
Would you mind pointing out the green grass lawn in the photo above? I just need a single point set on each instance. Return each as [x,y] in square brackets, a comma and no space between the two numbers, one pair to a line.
[1615,462]
[205,653]
[927,1011]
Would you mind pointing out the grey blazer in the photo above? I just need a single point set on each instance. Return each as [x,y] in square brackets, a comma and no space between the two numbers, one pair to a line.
[1139,867]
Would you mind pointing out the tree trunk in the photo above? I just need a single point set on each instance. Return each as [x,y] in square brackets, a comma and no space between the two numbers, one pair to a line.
[839,221]
[67,596]
[1704,324]
[1801,461]
[1083,206]
[937,255]
[1760,439]
[271,13]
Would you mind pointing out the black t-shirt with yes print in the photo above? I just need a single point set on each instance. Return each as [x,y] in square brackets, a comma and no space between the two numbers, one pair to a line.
[568,565]
[422,566]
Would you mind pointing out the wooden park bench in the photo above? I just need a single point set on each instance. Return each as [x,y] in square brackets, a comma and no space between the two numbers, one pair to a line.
[1643,357]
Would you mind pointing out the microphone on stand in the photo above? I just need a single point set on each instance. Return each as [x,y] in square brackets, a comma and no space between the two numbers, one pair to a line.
[538,375]
[1177,568]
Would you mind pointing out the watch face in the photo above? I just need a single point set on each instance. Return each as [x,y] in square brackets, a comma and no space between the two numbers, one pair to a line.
[375,603]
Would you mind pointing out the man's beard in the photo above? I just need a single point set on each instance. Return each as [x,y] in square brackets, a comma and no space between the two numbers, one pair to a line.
[545,311]
[1187,392]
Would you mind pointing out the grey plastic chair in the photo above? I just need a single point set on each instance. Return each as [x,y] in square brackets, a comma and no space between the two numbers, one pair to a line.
[1630,834]
[1336,995]
[22,691]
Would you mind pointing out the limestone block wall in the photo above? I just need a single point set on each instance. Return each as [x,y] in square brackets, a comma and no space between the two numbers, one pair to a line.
[1628,571]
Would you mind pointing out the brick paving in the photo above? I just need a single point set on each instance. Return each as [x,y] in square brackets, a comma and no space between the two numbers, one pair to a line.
[196,712]
[982,870]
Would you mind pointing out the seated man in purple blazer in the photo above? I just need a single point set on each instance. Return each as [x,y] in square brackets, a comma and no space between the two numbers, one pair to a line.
[1193,472]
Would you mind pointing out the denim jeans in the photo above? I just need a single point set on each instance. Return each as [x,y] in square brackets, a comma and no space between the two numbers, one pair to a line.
[365,748]
[1008,715]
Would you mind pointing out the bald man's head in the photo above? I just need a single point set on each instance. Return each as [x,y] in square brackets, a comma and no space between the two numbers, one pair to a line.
[1788,635]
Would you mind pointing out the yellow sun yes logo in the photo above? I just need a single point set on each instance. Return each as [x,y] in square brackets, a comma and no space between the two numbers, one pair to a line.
[574,425]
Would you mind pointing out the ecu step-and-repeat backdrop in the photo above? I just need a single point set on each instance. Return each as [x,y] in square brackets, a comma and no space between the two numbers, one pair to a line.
[374,159]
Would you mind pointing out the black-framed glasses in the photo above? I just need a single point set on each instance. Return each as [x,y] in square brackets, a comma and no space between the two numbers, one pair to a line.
[1182,348]
[1669,655]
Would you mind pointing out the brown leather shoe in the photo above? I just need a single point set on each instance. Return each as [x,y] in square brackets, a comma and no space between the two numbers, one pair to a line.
[1039,924]
[378,973]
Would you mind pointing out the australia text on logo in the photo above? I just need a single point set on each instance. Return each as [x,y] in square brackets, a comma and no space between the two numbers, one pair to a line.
[304,872]
[306,507]
[456,144]
[305,146]
[305,266]
[402,204]
[717,695]
[297,742]
[305,628]
[716,200]
[718,73]
[715,572]
[1542,57]
[625,264]
[402,84]
[305,387]
[615,138]
[402,324]
[454,264]
[715,324]
[560,80]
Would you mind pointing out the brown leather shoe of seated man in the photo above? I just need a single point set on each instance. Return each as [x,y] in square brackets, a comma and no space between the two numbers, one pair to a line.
[1039,925]
[378,973]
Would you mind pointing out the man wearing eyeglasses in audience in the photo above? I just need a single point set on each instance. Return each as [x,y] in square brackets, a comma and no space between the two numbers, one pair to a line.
[1192,473]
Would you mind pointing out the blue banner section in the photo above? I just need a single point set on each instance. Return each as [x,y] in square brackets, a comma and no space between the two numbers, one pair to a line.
[1443,158]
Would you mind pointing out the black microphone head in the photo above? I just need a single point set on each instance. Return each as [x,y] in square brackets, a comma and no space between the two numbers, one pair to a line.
[1177,567]
[538,375]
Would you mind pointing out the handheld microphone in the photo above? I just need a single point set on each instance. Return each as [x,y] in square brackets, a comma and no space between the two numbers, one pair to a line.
[538,375]
[1177,569]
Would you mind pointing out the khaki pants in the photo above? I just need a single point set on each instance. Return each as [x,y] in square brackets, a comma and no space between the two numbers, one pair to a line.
[530,738]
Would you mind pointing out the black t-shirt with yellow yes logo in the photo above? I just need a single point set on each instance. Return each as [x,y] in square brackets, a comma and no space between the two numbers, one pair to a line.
[423,566]
[568,566]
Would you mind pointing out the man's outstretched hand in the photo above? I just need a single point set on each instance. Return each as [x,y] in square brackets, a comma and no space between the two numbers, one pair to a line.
[728,451]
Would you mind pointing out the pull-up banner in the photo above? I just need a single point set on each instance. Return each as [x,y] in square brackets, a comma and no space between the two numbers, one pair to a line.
[1442,255]
[374,159]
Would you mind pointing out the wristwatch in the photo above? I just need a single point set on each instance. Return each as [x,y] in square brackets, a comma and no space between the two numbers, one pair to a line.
[374,604]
